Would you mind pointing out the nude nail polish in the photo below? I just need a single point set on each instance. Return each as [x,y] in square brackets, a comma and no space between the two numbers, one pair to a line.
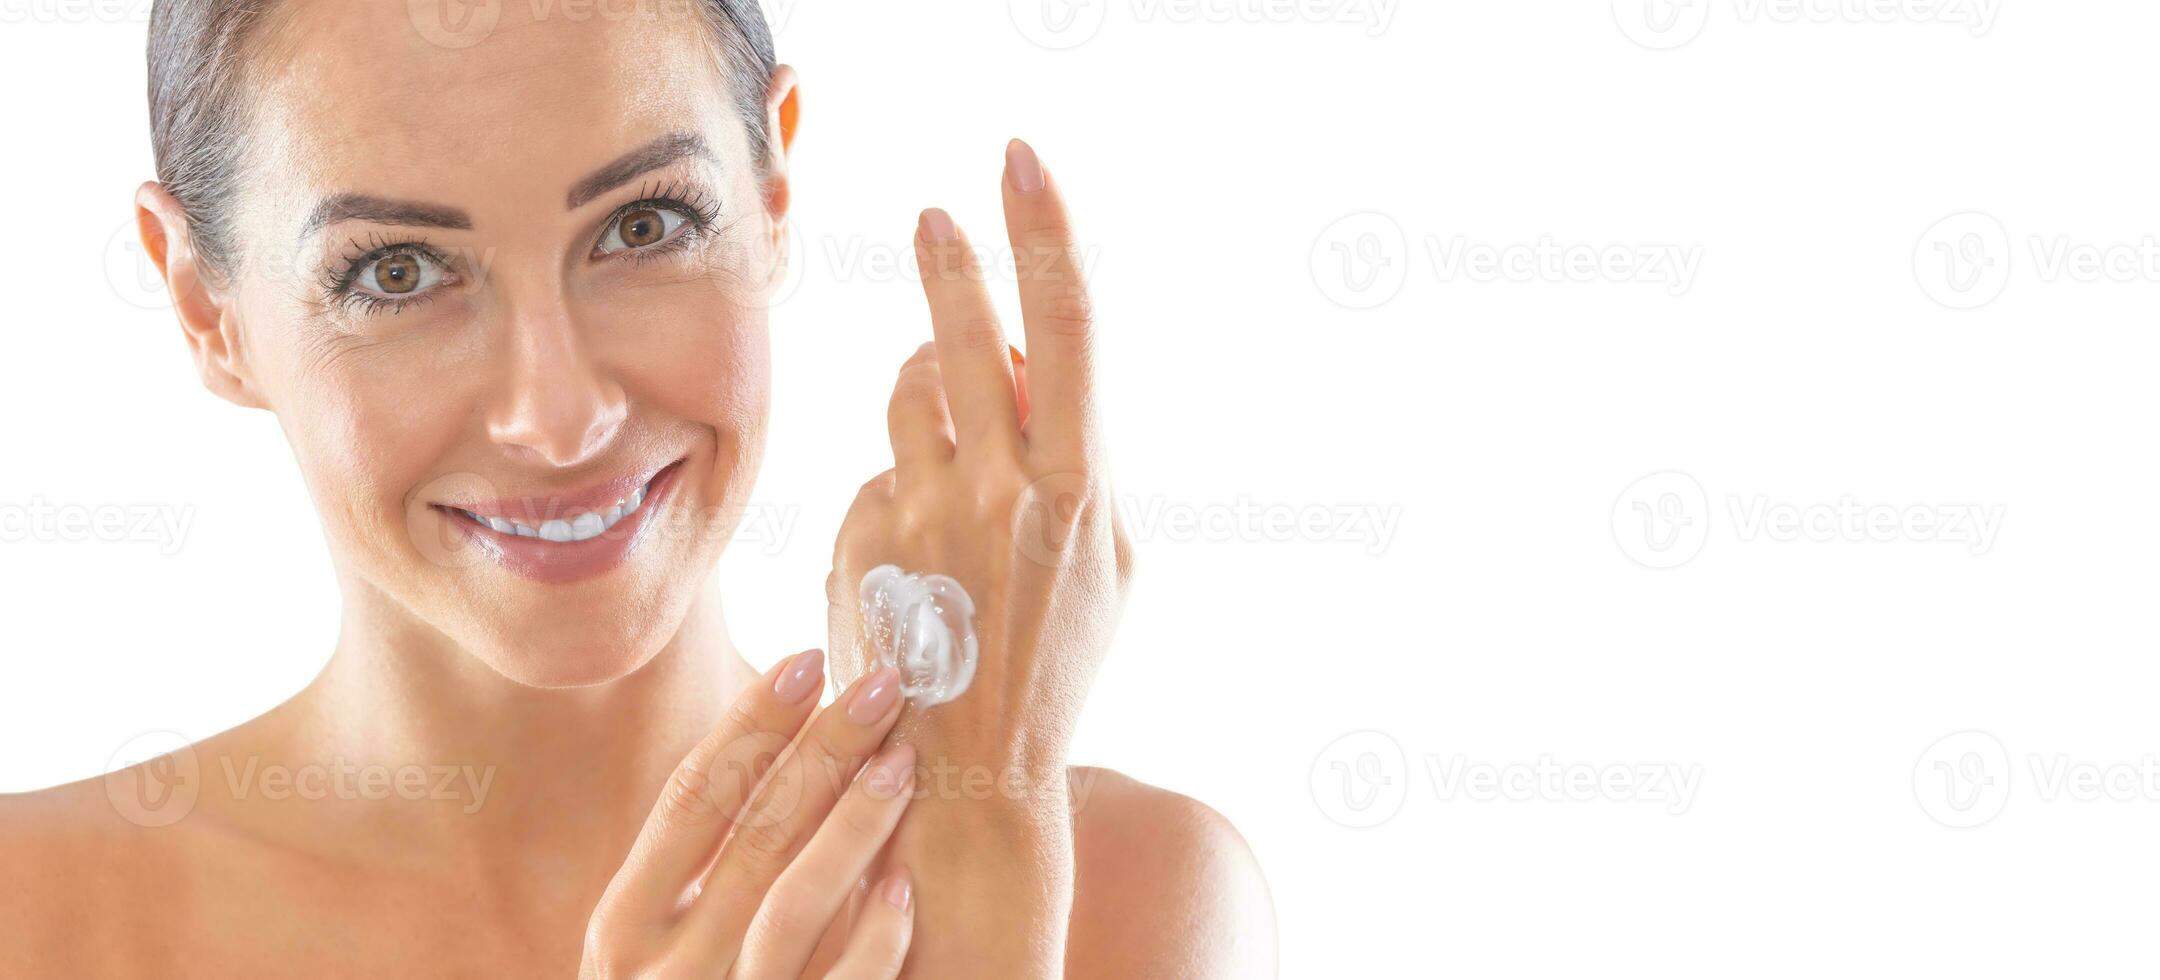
[1023,168]
[800,677]
[875,697]
[900,890]
[937,226]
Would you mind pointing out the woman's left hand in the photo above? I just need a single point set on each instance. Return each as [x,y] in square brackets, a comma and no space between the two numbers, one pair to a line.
[998,482]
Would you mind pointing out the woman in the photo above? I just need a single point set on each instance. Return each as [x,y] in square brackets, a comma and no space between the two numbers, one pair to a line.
[506,296]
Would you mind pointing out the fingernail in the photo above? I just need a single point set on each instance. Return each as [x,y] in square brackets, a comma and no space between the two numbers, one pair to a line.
[899,890]
[1023,168]
[800,676]
[937,226]
[889,775]
[875,697]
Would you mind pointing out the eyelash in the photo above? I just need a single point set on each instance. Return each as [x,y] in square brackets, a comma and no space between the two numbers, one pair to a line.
[338,284]
[689,202]
[700,211]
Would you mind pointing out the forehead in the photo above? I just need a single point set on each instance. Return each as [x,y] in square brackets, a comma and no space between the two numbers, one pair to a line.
[375,96]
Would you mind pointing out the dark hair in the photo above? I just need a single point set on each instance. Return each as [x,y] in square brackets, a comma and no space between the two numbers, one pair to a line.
[199,116]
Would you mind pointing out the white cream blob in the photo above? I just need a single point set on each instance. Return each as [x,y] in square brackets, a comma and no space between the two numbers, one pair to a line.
[922,626]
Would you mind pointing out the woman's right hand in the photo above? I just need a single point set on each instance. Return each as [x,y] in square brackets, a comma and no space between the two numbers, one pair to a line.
[753,849]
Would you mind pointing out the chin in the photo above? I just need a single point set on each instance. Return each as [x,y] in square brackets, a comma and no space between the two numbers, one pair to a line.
[563,651]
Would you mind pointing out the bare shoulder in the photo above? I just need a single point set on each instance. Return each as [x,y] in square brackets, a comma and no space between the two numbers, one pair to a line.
[1166,886]
[68,856]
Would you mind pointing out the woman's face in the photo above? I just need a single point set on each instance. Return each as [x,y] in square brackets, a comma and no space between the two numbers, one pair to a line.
[495,295]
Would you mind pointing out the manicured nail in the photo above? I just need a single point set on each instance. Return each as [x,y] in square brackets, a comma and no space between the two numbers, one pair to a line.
[1023,168]
[937,226]
[875,697]
[888,775]
[899,890]
[800,676]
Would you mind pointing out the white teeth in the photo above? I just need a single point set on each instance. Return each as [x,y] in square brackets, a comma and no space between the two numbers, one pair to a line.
[583,527]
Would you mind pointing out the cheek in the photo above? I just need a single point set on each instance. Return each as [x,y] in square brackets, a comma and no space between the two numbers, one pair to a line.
[692,354]
[369,417]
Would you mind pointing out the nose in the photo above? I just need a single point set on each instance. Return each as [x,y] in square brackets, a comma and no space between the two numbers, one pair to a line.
[557,403]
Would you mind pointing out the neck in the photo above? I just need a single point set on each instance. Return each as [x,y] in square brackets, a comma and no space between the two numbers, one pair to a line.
[540,784]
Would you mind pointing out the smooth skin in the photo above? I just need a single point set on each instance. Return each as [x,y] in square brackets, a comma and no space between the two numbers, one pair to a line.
[643,801]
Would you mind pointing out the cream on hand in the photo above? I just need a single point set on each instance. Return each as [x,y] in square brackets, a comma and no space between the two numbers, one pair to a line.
[922,626]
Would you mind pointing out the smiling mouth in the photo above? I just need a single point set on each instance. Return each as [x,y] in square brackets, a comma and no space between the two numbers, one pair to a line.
[564,519]
[583,526]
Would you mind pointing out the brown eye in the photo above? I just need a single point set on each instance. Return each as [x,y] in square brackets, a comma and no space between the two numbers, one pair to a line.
[397,274]
[641,228]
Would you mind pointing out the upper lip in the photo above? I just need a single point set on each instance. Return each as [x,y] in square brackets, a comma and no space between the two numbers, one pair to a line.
[561,505]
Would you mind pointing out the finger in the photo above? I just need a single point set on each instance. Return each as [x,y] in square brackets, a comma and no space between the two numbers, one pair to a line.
[921,428]
[707,790]
[971,348]
[879,943]
[802,903]
[1020,386]
[1060,320]
[784,811]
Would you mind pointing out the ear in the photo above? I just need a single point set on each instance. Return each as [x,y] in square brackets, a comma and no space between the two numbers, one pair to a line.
[206,319]
[781,111]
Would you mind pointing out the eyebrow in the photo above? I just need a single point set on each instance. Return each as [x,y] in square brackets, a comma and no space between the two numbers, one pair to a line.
[623,169]
[381,210]
[366,207]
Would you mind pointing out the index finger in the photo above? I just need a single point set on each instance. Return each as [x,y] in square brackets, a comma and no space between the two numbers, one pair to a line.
[1055,303]
[706,792]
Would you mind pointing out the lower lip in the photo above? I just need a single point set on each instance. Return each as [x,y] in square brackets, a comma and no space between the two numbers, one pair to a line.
[551,563]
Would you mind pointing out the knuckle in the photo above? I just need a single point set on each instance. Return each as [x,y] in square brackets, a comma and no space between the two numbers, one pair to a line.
[763,837]
[860,819]
[1069,311]
[976,334]
[877,488]
[689,797]
[784,917]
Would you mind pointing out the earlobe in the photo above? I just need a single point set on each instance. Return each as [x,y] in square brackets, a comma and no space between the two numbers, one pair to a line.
[213,335]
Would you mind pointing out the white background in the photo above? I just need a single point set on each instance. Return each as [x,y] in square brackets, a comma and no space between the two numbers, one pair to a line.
[1266,359]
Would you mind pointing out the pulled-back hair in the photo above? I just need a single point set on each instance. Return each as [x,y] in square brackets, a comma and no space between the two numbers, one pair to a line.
[200,113]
